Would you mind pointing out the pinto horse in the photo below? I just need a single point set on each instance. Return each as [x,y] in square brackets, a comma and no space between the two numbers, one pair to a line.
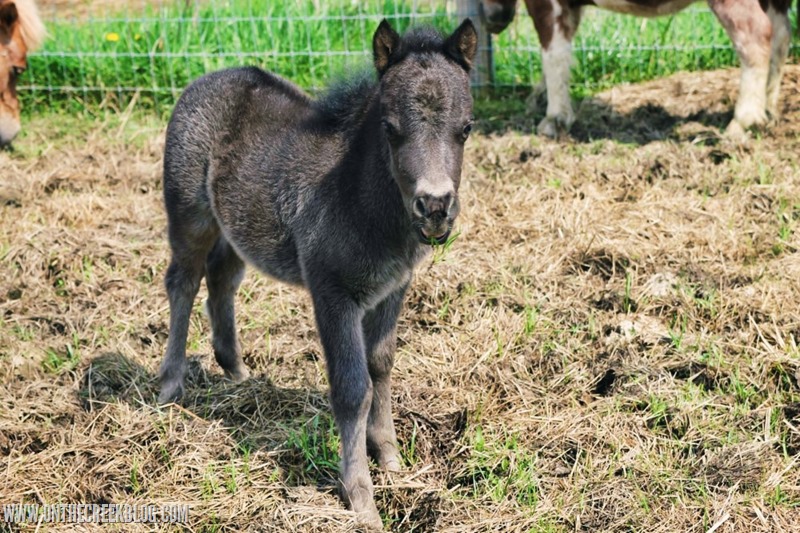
[21,31]
[760,31]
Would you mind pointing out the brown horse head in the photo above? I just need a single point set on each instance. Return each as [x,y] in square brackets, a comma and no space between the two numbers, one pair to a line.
[21,30]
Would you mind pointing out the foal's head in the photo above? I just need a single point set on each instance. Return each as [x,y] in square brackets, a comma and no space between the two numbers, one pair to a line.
[21,30]
[426,113]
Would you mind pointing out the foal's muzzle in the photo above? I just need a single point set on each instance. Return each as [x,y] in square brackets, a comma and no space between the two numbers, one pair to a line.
[434,216]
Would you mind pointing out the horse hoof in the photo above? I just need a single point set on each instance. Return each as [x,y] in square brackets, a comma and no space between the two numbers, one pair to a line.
[392,464]
[359,499]
[553,127]
[736,132]
[386,456]
[239,375]
[747,119]
[170,393]
[547,128]
[370,519]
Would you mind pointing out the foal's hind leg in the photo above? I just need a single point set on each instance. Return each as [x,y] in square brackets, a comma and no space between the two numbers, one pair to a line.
[224,272]
[781,36]
[182,281]
[380,334]
[750,31]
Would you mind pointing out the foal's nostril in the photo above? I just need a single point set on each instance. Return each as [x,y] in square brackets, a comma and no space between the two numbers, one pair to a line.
[447,202]
[430,207]
[419,207]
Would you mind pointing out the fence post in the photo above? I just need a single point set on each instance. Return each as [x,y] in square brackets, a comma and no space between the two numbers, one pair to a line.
[483,70]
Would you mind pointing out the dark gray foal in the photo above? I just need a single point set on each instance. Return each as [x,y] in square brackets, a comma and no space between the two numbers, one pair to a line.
[341,195]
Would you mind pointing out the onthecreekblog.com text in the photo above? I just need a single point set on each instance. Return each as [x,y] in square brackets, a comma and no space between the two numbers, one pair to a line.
[95,513]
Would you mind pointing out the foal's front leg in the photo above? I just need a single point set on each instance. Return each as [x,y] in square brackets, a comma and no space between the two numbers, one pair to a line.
[340,330]
[380,333]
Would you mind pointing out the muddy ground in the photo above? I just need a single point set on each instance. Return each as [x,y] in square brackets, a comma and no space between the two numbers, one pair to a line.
[609,345]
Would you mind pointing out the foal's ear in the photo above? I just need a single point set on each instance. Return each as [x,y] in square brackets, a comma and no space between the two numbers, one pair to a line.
[385,42]
[463,44]
[8,16]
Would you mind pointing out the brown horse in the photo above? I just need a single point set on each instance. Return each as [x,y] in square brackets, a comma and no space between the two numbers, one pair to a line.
[21,30]
[760,31]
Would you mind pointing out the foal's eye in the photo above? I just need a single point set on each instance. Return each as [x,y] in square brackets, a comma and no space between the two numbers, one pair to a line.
[18,70]
[391,130]
[467,129]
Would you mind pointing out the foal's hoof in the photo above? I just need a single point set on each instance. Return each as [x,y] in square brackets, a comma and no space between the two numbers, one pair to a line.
[361,502]
[171,392]
[371,521]
[386,455]
[389,459]
[736,132]
[739,134]
[238,375]
[392,465]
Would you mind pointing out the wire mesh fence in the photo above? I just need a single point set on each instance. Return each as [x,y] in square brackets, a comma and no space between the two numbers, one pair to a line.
[123,51]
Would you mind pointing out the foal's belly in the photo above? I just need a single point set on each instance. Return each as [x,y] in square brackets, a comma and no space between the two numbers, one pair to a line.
[249,220]
[644,8]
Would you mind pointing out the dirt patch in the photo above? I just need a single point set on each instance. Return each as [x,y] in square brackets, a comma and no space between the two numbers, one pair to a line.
[610,344]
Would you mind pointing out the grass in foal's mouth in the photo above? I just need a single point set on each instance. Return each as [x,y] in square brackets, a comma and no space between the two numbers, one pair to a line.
[440,250]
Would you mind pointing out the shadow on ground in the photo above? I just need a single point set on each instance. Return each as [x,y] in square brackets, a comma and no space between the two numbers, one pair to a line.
[292,425]
[645,124]
[688,107]
[246,409]
[597,119]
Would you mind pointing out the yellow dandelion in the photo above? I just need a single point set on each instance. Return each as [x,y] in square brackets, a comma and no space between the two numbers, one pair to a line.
[112,37]
[137,36]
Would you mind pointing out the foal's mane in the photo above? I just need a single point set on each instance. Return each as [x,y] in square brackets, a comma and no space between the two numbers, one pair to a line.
[31,26]
[418,40]
[344,102]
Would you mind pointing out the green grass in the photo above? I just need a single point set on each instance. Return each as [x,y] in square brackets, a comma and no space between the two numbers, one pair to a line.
[58,361]
[316,446]
[148,55]
[500,468]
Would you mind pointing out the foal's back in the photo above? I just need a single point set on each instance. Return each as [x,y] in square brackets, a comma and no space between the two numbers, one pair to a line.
[226,161]
[223,116]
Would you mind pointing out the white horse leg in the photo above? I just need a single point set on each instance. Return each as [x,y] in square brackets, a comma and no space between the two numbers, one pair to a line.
[556,63]
[781,32]
[751,31]
[556,27]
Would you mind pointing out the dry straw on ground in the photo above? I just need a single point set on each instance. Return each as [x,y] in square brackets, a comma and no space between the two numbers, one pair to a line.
[610,344]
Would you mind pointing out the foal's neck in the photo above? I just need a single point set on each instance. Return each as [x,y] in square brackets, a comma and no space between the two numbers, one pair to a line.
[379,198]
